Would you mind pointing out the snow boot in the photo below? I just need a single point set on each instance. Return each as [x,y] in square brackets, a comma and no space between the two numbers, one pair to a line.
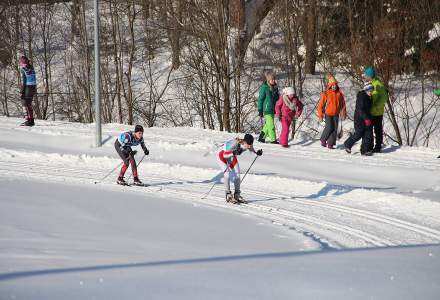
[121,181]
[323,143]
[239,198]
[136,181]
[348,150]
[367,153]
[261,137]
[230,199]
[331,147]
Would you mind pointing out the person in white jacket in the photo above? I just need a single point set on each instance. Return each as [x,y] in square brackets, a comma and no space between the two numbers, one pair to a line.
[228,162]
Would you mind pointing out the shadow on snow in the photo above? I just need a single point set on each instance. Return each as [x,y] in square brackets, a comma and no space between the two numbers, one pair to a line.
[214,259]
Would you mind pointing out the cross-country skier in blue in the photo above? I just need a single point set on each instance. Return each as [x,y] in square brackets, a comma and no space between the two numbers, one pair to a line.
[123,145]
[228,163]
[28,89]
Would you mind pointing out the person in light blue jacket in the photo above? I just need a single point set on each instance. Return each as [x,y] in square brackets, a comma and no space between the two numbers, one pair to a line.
[28,89]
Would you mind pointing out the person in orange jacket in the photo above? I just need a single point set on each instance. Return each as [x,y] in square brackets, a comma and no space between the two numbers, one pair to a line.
[331,106]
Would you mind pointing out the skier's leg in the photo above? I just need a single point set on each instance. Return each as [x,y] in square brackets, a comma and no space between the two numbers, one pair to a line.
[358,133]
[223,164]
[284,135]
[378,132]
[331,140]
[28,112]
[235,174]
[269,128]
[124,158]
[327,131]
[367,140]
[123,170]
[133,167]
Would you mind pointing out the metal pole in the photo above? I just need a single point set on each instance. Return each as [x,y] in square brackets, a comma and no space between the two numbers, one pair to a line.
[249,169]
[97,80]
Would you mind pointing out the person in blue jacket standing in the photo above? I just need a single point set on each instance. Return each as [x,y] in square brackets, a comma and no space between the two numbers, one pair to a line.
[28,89]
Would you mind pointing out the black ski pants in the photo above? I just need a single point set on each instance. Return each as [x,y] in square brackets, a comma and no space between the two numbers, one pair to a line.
[330,132]
[377,122]
[127,159]
[361,132]
[26,102]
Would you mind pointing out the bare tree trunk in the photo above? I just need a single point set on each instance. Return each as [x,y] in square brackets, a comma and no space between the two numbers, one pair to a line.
[172,18]
[131,11]
[310,36]
[114,35]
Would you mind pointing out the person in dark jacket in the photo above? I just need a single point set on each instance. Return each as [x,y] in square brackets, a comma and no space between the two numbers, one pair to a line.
[362,121]
[123,145]
[28,89]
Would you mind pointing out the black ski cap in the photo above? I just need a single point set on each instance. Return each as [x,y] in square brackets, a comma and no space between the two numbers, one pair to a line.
[249,139]
[138,128]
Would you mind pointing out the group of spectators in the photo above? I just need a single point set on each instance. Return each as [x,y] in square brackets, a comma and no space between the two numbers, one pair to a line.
[368,114]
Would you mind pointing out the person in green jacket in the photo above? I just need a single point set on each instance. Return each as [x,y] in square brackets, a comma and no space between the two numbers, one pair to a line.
[267,98]
[380,98]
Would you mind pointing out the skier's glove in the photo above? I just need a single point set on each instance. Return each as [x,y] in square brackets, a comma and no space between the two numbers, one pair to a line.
[367,122]
[260,113]
[259,152]
[132,153]
[146,152]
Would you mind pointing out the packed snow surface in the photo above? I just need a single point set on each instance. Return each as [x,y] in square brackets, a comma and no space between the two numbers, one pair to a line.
[320,224]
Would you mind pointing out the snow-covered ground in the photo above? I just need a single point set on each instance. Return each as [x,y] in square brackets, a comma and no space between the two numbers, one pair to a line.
[320,224]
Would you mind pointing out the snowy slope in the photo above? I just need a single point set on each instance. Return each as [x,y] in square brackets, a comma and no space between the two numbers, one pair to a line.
[165,241]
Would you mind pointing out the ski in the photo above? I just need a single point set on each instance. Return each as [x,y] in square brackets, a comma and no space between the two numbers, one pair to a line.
[143,185]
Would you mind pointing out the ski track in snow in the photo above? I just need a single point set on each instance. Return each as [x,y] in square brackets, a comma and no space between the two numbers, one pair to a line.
[324,219]
[348,217]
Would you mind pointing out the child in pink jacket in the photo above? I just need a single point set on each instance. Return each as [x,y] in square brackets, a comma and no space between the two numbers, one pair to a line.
[287,107]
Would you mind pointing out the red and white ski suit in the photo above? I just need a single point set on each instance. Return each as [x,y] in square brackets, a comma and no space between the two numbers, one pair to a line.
[228,164]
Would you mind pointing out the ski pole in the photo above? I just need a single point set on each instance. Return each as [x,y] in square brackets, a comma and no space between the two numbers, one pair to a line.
[108,174]
[129,176]
[206,195]
[249,168]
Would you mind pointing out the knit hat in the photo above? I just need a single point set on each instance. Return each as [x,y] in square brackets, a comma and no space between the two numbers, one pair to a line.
[331,80]
[368,87]
[370,72]
[288,91]
[249,139]
[138,128]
